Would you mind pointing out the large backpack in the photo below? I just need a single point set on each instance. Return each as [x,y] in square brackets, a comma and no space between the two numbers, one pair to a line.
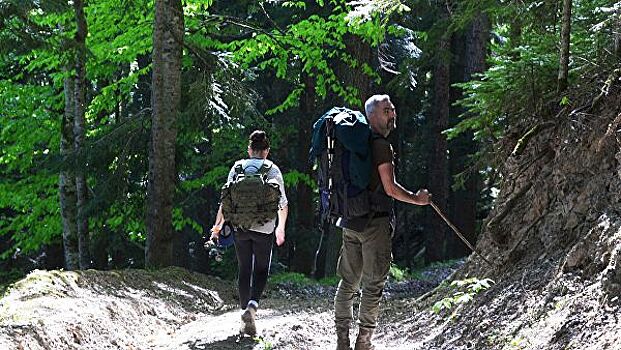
[341,147]
[250,199]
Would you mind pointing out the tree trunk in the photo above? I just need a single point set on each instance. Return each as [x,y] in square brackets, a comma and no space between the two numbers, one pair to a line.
[305,237]
[79,134]
[436,238]
[564,52]
[464,206]
[166,87]
[356,77]
[309,114]
[67,187]
[477,39]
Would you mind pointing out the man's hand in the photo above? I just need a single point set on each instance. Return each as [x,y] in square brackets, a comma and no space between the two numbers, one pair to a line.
[280,236]
[423,197]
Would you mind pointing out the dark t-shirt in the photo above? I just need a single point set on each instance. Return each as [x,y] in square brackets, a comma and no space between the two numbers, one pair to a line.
[382,153]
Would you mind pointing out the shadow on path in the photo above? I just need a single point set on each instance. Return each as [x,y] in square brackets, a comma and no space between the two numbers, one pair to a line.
[230,343]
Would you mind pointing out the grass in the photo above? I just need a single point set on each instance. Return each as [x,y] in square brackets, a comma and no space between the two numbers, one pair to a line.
[301,280]
[396,273]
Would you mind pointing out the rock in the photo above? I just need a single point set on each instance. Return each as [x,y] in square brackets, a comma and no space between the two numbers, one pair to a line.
[576,257]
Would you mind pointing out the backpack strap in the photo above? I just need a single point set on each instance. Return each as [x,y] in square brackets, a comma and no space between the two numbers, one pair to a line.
[265,167]
[330,139]
[239,170]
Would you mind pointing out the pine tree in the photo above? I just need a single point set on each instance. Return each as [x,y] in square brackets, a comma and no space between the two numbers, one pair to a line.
[166,92]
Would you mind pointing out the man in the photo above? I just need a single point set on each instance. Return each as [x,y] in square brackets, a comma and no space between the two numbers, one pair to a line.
[366,253]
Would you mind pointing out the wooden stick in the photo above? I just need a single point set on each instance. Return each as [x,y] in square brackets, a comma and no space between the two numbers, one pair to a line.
[459,234]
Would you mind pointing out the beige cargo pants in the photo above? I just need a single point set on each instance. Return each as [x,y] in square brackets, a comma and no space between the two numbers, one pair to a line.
[365,259]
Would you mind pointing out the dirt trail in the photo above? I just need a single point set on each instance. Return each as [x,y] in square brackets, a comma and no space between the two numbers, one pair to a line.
[176,309]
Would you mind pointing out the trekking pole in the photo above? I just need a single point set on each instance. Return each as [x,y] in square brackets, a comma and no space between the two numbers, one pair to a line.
[459,234]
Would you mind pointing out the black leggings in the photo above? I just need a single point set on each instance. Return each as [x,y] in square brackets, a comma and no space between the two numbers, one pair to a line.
[254,254]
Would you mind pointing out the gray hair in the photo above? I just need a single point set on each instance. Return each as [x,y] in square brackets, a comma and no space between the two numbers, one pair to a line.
[372,102]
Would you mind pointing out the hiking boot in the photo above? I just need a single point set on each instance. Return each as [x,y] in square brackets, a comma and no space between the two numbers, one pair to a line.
[363,342]
[248,321]
[342,338]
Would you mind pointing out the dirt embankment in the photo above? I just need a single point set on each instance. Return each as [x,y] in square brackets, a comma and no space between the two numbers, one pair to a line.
[104,310]
[555,235]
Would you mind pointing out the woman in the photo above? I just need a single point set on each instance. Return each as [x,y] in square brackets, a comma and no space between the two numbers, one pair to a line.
[253,245]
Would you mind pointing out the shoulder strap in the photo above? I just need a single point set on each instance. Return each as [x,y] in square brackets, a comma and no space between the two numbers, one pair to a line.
[265,167]
[239,169]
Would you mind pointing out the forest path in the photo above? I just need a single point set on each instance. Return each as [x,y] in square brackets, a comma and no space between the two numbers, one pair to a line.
[276,329]
[293,326]
[300,318]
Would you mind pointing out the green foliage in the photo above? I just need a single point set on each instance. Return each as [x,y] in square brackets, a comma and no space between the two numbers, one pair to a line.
[329,281]
[523,68]
[218,108]
[28,134]
[300,280]
[508,89]
[309,47]
[227,56]
[263,344]
[365,10]
[296,278]
[293,178]
[466,291]
[398,274]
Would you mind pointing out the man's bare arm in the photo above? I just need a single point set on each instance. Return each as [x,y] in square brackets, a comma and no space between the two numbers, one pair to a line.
[398,192]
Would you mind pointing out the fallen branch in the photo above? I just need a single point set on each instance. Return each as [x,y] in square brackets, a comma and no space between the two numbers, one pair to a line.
[523,141]
[612,128]
[614,76]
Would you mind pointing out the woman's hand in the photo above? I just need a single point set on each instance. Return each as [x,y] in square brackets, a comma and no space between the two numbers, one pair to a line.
[215,231]
[280,236]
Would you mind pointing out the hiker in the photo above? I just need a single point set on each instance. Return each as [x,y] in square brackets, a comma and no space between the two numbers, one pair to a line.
[254,230]
[366,250]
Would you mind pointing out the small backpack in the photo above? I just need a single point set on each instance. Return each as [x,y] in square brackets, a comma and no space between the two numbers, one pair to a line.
[250,199]
[341,147]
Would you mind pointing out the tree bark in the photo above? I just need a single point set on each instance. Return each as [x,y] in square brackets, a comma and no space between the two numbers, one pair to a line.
[477,39]
[464,206]
[564,51]
[305,236]
[166,87]
[356,77]
[80,132]
[436,237]
[67,187]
